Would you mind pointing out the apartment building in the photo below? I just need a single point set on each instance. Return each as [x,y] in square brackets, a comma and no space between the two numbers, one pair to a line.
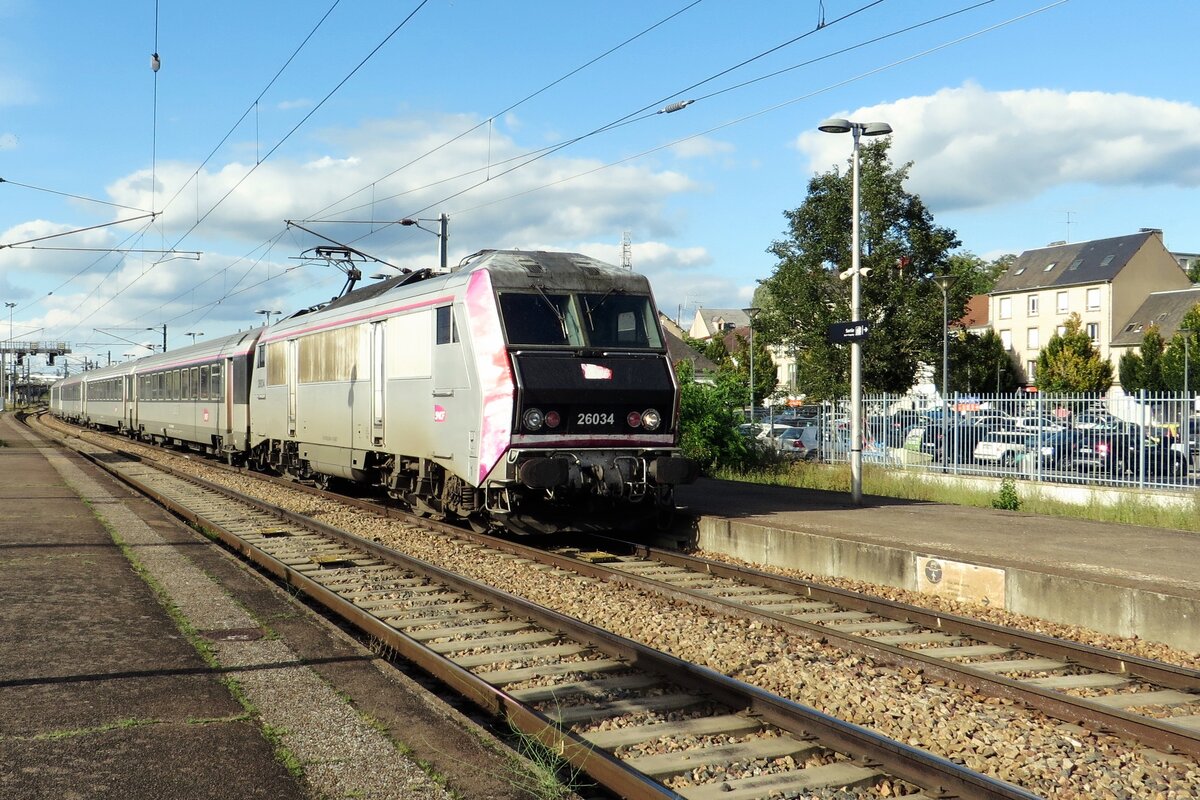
[1105,281]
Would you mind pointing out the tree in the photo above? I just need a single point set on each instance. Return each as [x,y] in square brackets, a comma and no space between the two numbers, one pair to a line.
[1144,370]
[976,275]
[1193,271]
[979,364]
[765,377]
[708,420]
[1070,363]
[901,246]
[1172,361]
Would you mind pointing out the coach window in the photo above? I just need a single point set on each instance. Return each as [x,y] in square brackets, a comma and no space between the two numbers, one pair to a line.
[195,383]
[447,326]
[185,387]
[215,376]
[204,383]
[261,361]
[175,384]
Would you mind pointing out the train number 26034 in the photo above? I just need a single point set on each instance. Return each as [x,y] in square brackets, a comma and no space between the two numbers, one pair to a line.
[594,418]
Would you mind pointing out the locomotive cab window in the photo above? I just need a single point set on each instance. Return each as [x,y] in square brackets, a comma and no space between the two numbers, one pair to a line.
[619,320]
[540,319]
[447,326]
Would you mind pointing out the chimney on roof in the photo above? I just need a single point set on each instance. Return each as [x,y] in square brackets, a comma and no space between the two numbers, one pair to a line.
[1156,231]
[1056,244]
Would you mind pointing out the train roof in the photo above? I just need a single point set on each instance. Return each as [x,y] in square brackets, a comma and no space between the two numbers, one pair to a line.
[233,344]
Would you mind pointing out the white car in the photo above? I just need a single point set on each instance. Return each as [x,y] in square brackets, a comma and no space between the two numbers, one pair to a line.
[1003,447]
[800,443]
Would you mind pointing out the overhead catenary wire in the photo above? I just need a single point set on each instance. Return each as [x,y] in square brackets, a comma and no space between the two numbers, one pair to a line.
[512,106]
[421,4]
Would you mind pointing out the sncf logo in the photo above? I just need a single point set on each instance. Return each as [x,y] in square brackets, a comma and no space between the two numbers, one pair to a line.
[595,372]
[439,414]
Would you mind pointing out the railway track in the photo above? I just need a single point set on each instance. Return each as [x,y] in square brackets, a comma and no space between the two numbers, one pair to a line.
[640,722]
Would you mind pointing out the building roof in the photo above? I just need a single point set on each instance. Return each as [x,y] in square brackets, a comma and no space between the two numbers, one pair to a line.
[715,318]
[975,315]
[1097,261]
[679,350]
[1164,309]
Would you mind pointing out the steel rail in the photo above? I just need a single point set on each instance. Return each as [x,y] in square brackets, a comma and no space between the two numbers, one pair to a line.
[938,775]
[1149,731]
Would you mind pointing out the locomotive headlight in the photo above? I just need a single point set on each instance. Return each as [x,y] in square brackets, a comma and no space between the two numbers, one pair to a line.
[651,419]
[533,419]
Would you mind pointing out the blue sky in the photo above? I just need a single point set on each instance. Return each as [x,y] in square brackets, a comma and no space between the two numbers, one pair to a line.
[1028,121]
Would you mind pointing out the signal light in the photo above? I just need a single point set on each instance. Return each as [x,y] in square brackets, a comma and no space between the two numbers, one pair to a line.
[552,419]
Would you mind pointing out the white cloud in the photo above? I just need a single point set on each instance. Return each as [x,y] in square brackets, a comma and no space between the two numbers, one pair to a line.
[974,148]
[291,105]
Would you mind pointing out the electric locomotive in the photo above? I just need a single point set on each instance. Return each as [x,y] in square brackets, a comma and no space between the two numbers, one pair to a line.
[526,390]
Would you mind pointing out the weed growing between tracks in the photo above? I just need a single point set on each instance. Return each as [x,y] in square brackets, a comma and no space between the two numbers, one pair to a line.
[1130,509]
[544,773]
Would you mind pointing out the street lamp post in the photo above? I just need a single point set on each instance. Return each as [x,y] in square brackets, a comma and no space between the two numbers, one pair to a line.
[193,335]
[944,282]
[856,427]
[267,314]
[8,381]
[752,312]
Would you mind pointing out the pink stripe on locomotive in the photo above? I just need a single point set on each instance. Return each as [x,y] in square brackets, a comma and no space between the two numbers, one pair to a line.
[493,370]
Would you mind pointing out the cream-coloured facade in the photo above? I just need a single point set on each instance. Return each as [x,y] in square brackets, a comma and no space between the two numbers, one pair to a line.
[1103,281]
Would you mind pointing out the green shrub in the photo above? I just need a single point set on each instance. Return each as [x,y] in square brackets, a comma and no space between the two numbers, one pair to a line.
[1007,498]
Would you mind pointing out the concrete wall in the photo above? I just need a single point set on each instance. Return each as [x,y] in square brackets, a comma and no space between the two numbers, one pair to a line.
[1116,610]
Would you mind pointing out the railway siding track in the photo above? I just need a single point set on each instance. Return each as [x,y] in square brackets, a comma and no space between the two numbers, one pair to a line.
[1029,668]
[640,722]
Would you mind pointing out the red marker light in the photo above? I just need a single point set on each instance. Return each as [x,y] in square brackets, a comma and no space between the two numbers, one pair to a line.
[552,419]
[633,419]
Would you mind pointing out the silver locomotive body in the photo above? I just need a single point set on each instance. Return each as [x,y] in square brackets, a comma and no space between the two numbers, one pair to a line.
[526,389]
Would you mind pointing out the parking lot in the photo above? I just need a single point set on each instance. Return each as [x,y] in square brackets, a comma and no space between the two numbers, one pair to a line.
[1139,441]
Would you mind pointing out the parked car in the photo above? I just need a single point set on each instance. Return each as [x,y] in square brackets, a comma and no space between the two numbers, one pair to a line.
[1057,449]
[1123,454]
[959,443]
[892,429]
[1004,447]
[1042,423]
[761,431]
[1097,422]
[801,443]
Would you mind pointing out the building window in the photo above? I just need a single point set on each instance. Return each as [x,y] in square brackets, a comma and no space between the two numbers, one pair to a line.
[1093,331]
[1093,299]
[1031,370]
[1061,330]
[1033,305]
[1005,307]
[1032,340]
[1050,266]
[1006,340]
[1062,302]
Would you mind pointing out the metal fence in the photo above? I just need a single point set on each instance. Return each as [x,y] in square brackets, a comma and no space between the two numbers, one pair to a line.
[1144,440]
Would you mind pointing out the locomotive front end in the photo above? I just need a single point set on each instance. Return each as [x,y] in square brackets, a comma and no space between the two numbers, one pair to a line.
[594,419]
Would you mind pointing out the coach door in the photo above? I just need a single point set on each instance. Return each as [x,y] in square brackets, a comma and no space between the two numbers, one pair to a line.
[130,405]
[293,362]
[378,382]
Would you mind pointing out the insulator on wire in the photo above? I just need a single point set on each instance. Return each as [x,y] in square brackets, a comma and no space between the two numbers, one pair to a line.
[155,62]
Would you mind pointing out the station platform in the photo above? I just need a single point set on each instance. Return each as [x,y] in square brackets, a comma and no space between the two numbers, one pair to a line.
[143,661]
[1123,580]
